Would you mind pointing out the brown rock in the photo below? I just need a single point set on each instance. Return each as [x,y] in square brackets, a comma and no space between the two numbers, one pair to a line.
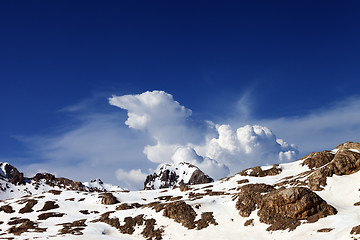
[325,230]
[25,226]
[28,207]
[258,172]
[207,218]
[317,159]
[108,199]
[181,213]
[282,208]
[47,215]
[345,162]
[355,230]
[49,205]
[7,209]
[250,196]
[198,177]
[249,222]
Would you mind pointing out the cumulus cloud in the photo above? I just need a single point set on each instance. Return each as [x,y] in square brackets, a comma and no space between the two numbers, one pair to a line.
[132,179]
[216,149]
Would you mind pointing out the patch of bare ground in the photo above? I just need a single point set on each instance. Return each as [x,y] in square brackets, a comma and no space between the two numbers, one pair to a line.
[126,206]
[355,230]
[47,215]
[108,199]
[73,228]
[258,172]
[130,223]
[25,226]
[181,213]
[7,209]
[84,212]
[157,206]
[28,207]
[249,222]
[49,205]
[184,188]
[282,208]
[242,181]
[325,230]
[207,218]
[55,192]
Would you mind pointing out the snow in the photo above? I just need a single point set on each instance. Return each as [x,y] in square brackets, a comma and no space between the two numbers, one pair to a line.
[341,192]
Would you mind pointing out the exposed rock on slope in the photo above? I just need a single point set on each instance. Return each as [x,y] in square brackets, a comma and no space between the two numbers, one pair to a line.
[258,203]
[170,175]
[10,173]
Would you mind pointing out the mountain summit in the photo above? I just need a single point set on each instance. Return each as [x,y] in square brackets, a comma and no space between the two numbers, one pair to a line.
[316,197]
[171,175]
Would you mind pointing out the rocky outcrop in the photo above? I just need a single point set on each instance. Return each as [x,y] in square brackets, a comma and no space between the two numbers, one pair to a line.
[344,162]
[181,213]
[259,172]
[317,159]
[282,208]
[108,199]
[53,181]
[170,175]
[11,174]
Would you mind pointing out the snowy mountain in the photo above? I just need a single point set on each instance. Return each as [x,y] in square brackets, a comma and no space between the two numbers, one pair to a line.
[316,197]
[170,175]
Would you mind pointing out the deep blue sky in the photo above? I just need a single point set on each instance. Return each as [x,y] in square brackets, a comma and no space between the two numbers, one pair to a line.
[291,56]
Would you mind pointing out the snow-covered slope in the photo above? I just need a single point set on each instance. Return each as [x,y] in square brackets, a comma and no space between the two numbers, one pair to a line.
[170,175]
[316,197]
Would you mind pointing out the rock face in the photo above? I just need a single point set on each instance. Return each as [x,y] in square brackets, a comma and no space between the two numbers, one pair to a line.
[345,161]
[170,175]
[259,172]
[282,208]
[11,173]
[53,181]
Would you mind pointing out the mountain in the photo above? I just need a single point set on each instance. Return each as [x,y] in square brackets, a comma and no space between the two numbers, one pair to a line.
[316,197]
[171,175]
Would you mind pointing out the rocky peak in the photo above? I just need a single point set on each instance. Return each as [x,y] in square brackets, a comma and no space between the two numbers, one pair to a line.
[170,175]
[11,173]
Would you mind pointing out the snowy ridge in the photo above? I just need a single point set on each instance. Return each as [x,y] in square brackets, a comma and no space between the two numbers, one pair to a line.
[302,200]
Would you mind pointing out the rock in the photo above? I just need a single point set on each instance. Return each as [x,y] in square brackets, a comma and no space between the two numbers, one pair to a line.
[181,213]
[258,172]
[11,173]
[317,159]
[53,181]
[282,208]
[7,209]
[345,162]
[47,215]
[49,205]
[170,175]
[108,199]
[28,207]
[355,230]
[207,218]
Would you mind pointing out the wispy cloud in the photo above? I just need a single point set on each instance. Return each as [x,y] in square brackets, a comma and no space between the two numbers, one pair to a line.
[322,128]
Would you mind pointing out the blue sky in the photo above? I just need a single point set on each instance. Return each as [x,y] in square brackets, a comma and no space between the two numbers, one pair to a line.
[292,66]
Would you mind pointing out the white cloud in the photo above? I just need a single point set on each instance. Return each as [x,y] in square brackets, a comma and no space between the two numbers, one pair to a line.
[321,128]
[133,179]
[93,149]
[213,148]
